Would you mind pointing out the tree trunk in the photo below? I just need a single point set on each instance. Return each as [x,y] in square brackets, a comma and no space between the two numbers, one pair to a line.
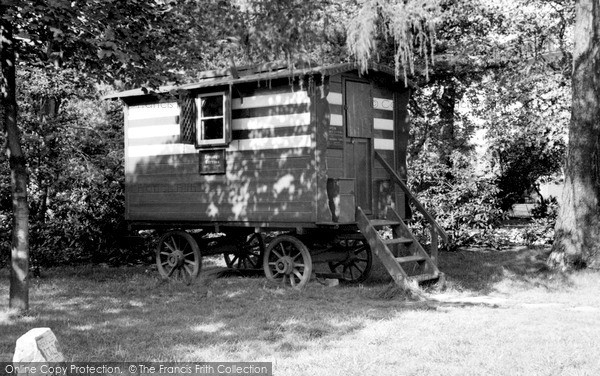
[19,289]
[447,104]
[577,239]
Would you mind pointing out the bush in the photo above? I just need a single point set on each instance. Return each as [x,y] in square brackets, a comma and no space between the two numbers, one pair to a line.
[541,230]
[462,201]
[76,177]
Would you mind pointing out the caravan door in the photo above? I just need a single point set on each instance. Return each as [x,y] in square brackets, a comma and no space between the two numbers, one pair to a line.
[358,110]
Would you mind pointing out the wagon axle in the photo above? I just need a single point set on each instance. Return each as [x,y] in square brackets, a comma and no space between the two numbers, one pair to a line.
[175,259]
[285,265]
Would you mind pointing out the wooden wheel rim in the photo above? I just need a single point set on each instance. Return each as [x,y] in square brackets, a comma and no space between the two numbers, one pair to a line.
[287,262]
[357,266]
[178,256]
[249,256]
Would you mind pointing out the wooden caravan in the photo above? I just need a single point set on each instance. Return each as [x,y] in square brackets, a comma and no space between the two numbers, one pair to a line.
[317,154]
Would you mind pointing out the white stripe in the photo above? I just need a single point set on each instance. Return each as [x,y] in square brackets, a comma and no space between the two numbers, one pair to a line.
[271,143]
[336,120]
[154,131]
[236,145]
[147,111]
[384,124]
[383,104]
[334,98]
[383,144]
[153,150]
[299,97]
[275,121]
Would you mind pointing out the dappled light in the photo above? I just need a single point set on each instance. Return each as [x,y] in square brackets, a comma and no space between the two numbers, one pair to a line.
[179,317]
[131,314]
[523,266]
[210,328]
[285,182]
[269,173]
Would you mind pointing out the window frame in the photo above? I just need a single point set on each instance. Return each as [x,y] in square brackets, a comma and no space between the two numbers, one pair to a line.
[226,139]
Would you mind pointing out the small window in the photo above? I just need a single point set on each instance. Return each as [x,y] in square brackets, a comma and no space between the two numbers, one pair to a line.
[187,119]
[212,127]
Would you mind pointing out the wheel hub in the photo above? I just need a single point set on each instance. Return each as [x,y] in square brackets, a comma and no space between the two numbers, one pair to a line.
[284,265]
[175,258]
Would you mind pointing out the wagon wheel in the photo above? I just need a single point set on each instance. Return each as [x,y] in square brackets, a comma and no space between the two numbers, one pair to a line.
[357,265]
[287,261]
[178,256]
[249,255]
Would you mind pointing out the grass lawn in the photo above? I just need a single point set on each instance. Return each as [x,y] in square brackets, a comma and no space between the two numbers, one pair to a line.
[501,313]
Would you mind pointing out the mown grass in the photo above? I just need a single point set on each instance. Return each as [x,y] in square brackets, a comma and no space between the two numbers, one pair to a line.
[501,313]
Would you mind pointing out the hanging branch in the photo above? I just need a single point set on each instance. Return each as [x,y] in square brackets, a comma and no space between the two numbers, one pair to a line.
[411,25]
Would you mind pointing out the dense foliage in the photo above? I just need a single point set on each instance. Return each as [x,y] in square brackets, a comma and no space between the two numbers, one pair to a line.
[463,201]
[75,165]
[490,126]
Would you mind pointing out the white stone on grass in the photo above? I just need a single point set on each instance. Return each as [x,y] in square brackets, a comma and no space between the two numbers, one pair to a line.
[38,346]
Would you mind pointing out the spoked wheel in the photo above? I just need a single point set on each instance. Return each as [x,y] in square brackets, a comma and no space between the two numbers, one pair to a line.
[287,261]
[178,256]
[357,265]
[249,254]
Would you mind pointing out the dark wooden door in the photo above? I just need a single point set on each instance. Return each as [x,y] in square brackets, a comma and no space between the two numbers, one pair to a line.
[358,106]
[358,167]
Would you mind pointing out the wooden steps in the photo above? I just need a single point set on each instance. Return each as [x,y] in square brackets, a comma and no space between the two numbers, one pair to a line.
[435,229]
[403,256]
[383,222]
[400,240]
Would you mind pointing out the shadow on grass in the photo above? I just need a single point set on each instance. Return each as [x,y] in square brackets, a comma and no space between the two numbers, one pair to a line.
[125,314]
[480,270]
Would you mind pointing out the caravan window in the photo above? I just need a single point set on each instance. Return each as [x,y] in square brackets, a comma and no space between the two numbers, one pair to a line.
[212,126]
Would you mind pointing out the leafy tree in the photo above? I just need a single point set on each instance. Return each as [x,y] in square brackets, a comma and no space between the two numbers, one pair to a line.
[137,42]
[528,118]
[405,27]
[19,292]
[281,29]
[462,199]
[499,78]
[75,167]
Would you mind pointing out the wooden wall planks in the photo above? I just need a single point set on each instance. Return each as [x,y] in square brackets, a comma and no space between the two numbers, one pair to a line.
[270,169]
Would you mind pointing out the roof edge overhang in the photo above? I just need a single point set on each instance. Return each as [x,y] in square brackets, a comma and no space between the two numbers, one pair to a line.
[269,71]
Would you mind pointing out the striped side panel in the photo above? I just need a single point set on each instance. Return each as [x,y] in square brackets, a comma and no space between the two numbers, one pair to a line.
[264,121]
[383,133]
[153,129]
[268,121]
[383,121]
[270,173]
[335,106]
[335,157]
[383,116]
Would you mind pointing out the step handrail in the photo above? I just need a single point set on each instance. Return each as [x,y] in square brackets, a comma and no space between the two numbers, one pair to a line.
[396,178]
